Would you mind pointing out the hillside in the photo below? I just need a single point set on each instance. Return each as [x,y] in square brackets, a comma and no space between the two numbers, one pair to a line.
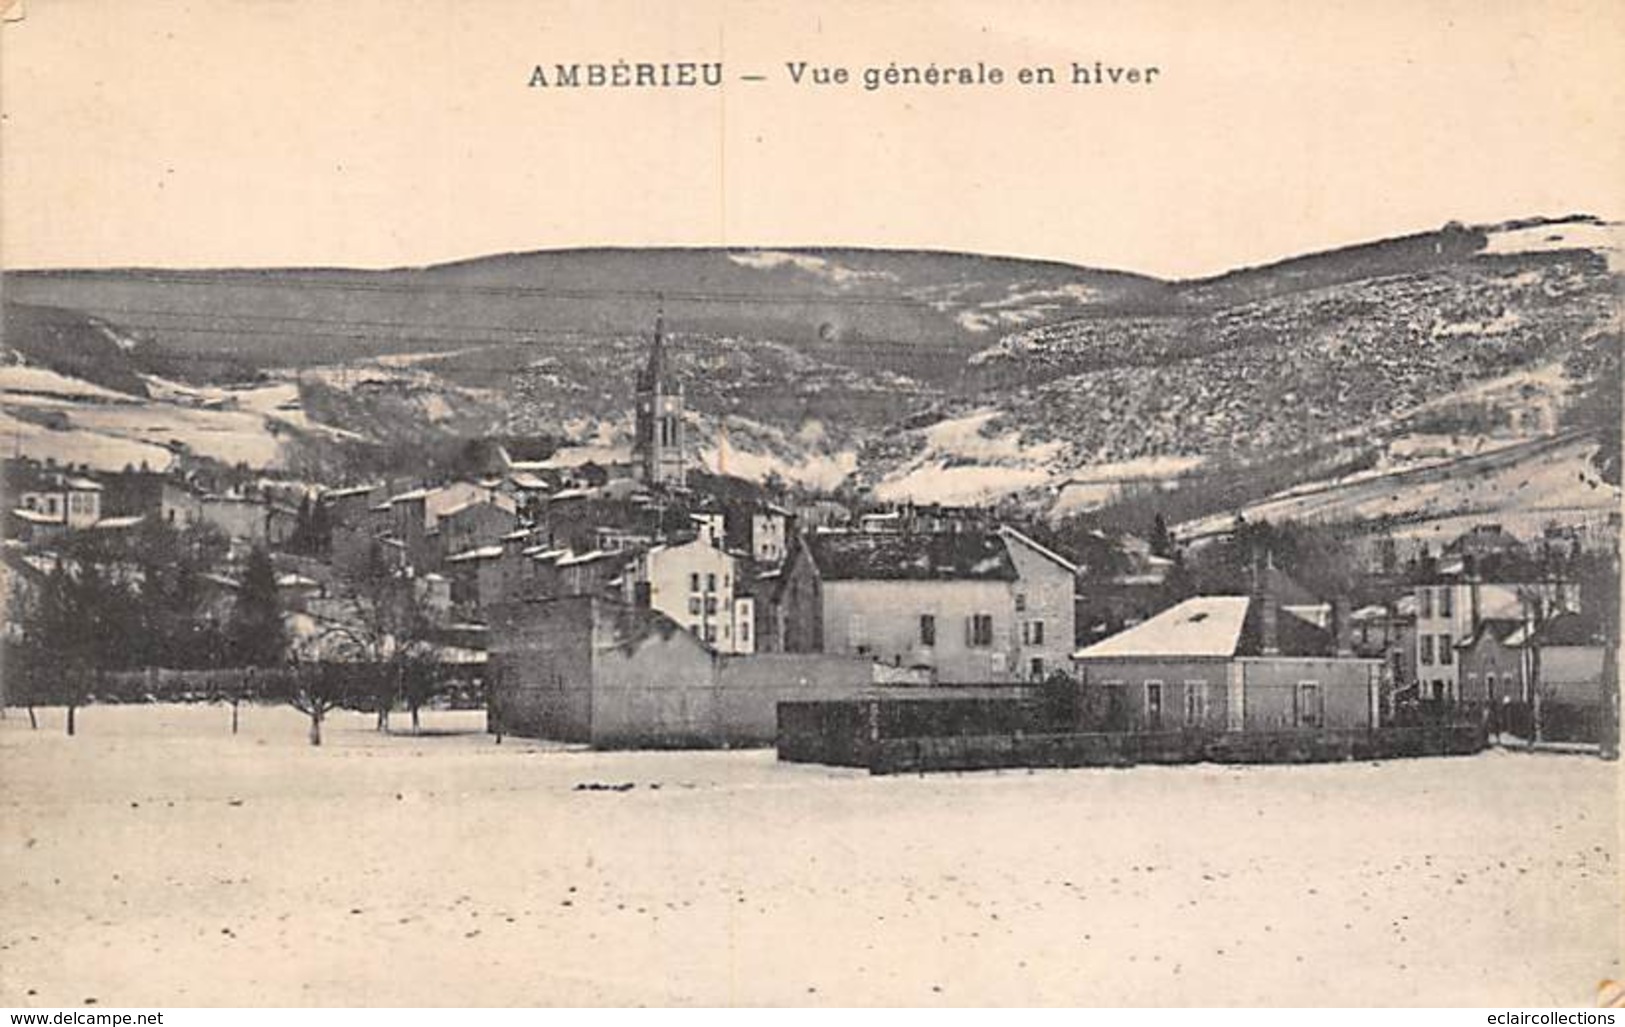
[927,375]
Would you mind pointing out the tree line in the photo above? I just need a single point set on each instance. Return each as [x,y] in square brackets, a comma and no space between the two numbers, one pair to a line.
[108,608]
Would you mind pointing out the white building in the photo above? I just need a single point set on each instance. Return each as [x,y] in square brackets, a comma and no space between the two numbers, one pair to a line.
[696,584]
[1449,612]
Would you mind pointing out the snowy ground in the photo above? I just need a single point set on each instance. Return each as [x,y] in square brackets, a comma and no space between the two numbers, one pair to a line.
[157,860]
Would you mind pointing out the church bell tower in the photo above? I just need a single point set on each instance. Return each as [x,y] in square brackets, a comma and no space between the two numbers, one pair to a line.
[657,447]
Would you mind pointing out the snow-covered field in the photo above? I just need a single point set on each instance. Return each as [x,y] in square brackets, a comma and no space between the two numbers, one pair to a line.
[155,860]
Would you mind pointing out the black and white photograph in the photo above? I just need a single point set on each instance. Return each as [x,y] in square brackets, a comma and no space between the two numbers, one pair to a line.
[830,504]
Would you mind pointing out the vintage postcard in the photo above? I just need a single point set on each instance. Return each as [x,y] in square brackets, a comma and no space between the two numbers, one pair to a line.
[810,504]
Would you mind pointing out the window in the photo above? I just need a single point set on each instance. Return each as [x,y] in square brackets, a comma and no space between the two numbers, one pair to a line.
[1425,601]
[1195,703]
[710,582]
[1308,705]
[694,604]
[710,632]
[1446,601]
[1021,602]
[1153,704]
[711,604]
[1037,668]
[744,631]
[979,630]
[694,582]
[1447,650]
[928,629]
[1038,632]
[1427,649]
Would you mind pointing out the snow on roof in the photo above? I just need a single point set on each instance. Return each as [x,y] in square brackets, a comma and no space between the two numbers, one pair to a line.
[350,490]
[116,523]
[35,517]
[570,494]
[83,485]
[577,558]
[1200,626]
[407,496]
[527,481]
[295,580]
[481,553]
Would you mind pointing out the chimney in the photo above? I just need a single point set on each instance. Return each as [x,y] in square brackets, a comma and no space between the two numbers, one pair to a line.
[1269,609]
[1342,626]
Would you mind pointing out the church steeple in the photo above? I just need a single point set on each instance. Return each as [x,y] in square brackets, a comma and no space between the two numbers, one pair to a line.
[657,446]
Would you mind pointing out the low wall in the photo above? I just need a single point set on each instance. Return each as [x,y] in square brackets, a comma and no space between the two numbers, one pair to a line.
[991,752]
[891,735]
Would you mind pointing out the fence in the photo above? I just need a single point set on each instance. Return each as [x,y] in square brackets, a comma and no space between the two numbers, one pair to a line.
[360,684]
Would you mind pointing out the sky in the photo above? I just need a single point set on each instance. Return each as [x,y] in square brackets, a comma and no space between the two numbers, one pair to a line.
[378,134]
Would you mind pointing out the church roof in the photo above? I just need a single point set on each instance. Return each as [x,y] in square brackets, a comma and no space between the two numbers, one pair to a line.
[657,371]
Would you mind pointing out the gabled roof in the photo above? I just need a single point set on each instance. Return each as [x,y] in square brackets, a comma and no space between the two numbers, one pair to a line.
[1499,628]
[1041,550]
[866,556]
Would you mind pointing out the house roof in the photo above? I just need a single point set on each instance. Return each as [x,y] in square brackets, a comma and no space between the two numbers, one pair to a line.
[863,556]
[1500,628]
[35,517]
[1212,626]
[119,523]
[480,553]
[1041,550]
[350,490]
[1199,626]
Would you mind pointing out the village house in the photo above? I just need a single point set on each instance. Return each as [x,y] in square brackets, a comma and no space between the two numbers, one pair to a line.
[51,496]
[1230,663]
[695,584]
[351,506]
[1571,658]
[969,607]
[160,497]
[1449,608]
[474,524]
[414,516]
[243,519]
[1492,662]
[760,530]
[1387,632]
[790,604]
